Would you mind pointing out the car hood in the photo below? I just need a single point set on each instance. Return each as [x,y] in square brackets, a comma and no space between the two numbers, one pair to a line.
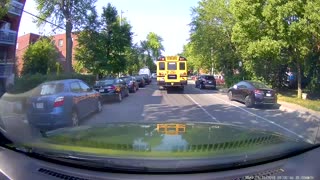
[149,145]
[168,138]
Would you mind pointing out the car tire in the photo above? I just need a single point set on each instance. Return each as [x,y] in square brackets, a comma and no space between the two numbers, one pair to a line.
[230,95]
[99,106]
[248,101]
[75,118]
[119,97]
[201,86]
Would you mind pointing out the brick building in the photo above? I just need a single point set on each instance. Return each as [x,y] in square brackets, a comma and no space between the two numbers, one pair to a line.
[58,40]
[23,43]
[9,27]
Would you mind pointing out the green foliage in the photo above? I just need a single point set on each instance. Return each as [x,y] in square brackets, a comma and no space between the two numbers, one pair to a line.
[107,54]
[40,57]
[67,15]
[4,4]
[275,33]
[210,43]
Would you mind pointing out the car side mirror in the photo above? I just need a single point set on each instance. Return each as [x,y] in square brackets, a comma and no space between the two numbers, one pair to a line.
[235,87]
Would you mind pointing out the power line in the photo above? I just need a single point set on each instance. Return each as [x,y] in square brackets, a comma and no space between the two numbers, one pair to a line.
[38,17]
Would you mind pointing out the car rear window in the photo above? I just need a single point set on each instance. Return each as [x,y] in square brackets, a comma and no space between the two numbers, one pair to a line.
[172,66]
[49,89]
[105,82]
[259,85]
[209,77]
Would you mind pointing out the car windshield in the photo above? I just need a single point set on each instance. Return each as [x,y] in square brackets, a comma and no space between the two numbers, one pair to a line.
[120,83]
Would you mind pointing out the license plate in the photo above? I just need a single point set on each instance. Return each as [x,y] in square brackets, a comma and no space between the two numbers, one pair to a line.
[101,90]
[268,94]
[39,105]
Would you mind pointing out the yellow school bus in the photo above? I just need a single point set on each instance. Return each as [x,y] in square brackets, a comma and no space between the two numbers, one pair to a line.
[171,129]
[172,71]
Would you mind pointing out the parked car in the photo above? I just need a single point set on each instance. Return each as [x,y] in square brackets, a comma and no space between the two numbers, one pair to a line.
[154,75]
[206,81]
[112,89]
[147,78]
[132,83]
[141,81]
[252,93]
[61,103]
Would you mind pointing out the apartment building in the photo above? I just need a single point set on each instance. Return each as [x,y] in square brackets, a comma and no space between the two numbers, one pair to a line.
[9,27]
[59,40]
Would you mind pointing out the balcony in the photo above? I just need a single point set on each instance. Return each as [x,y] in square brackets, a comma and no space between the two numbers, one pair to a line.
[15,8]
[6,69]
[8,37]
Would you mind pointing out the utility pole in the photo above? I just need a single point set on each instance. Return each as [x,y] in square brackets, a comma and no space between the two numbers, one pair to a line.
[121,12]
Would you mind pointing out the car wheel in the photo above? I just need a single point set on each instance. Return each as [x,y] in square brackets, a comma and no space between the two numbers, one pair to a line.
[75,118]
[248,101]
[230,95]
[99,106]
[119,97]
[201,86]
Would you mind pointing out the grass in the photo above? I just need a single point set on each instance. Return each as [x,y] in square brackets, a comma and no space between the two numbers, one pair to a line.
[291,97]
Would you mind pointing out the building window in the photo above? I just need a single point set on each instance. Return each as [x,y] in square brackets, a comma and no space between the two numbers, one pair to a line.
[60,42]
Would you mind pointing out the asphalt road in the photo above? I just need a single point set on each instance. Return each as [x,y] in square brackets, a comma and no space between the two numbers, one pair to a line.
[150,104]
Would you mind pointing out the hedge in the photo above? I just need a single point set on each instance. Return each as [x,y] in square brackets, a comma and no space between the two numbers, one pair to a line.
[28,82]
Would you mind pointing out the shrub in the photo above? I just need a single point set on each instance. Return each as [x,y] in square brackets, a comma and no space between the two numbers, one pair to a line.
[28,82]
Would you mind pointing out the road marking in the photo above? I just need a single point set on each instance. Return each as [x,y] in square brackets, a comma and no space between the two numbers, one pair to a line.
[267,120]
[213,118]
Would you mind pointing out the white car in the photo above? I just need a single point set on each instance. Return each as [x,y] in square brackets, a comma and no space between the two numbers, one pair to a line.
[154,75]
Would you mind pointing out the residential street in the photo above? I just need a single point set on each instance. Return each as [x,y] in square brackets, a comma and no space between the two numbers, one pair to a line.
[150,104]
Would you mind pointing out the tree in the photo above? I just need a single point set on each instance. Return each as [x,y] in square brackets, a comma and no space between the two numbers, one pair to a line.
[274,32]
[112,40]
[66,14]
[40,57]
[210,47]
[4,4]
[151,49]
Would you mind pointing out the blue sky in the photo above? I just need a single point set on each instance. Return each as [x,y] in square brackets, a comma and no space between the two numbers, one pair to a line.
[167,18]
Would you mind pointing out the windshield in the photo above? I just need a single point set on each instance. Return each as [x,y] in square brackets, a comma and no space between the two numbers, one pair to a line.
[160,80]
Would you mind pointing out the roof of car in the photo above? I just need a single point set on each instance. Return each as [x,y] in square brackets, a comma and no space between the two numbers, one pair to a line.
[63,80]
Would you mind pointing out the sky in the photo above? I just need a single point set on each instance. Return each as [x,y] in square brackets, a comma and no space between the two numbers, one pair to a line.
[167,18]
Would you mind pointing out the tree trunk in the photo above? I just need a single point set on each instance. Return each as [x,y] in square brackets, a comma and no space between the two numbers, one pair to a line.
[69,68]
[299,80]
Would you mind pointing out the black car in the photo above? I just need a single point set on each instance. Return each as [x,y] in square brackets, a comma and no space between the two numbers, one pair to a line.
[147,78]
[141,81]
[132,83]
[252,93]
[206,81]
[112,89]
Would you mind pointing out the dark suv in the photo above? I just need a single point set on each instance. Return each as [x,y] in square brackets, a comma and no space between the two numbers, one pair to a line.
[206,81]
